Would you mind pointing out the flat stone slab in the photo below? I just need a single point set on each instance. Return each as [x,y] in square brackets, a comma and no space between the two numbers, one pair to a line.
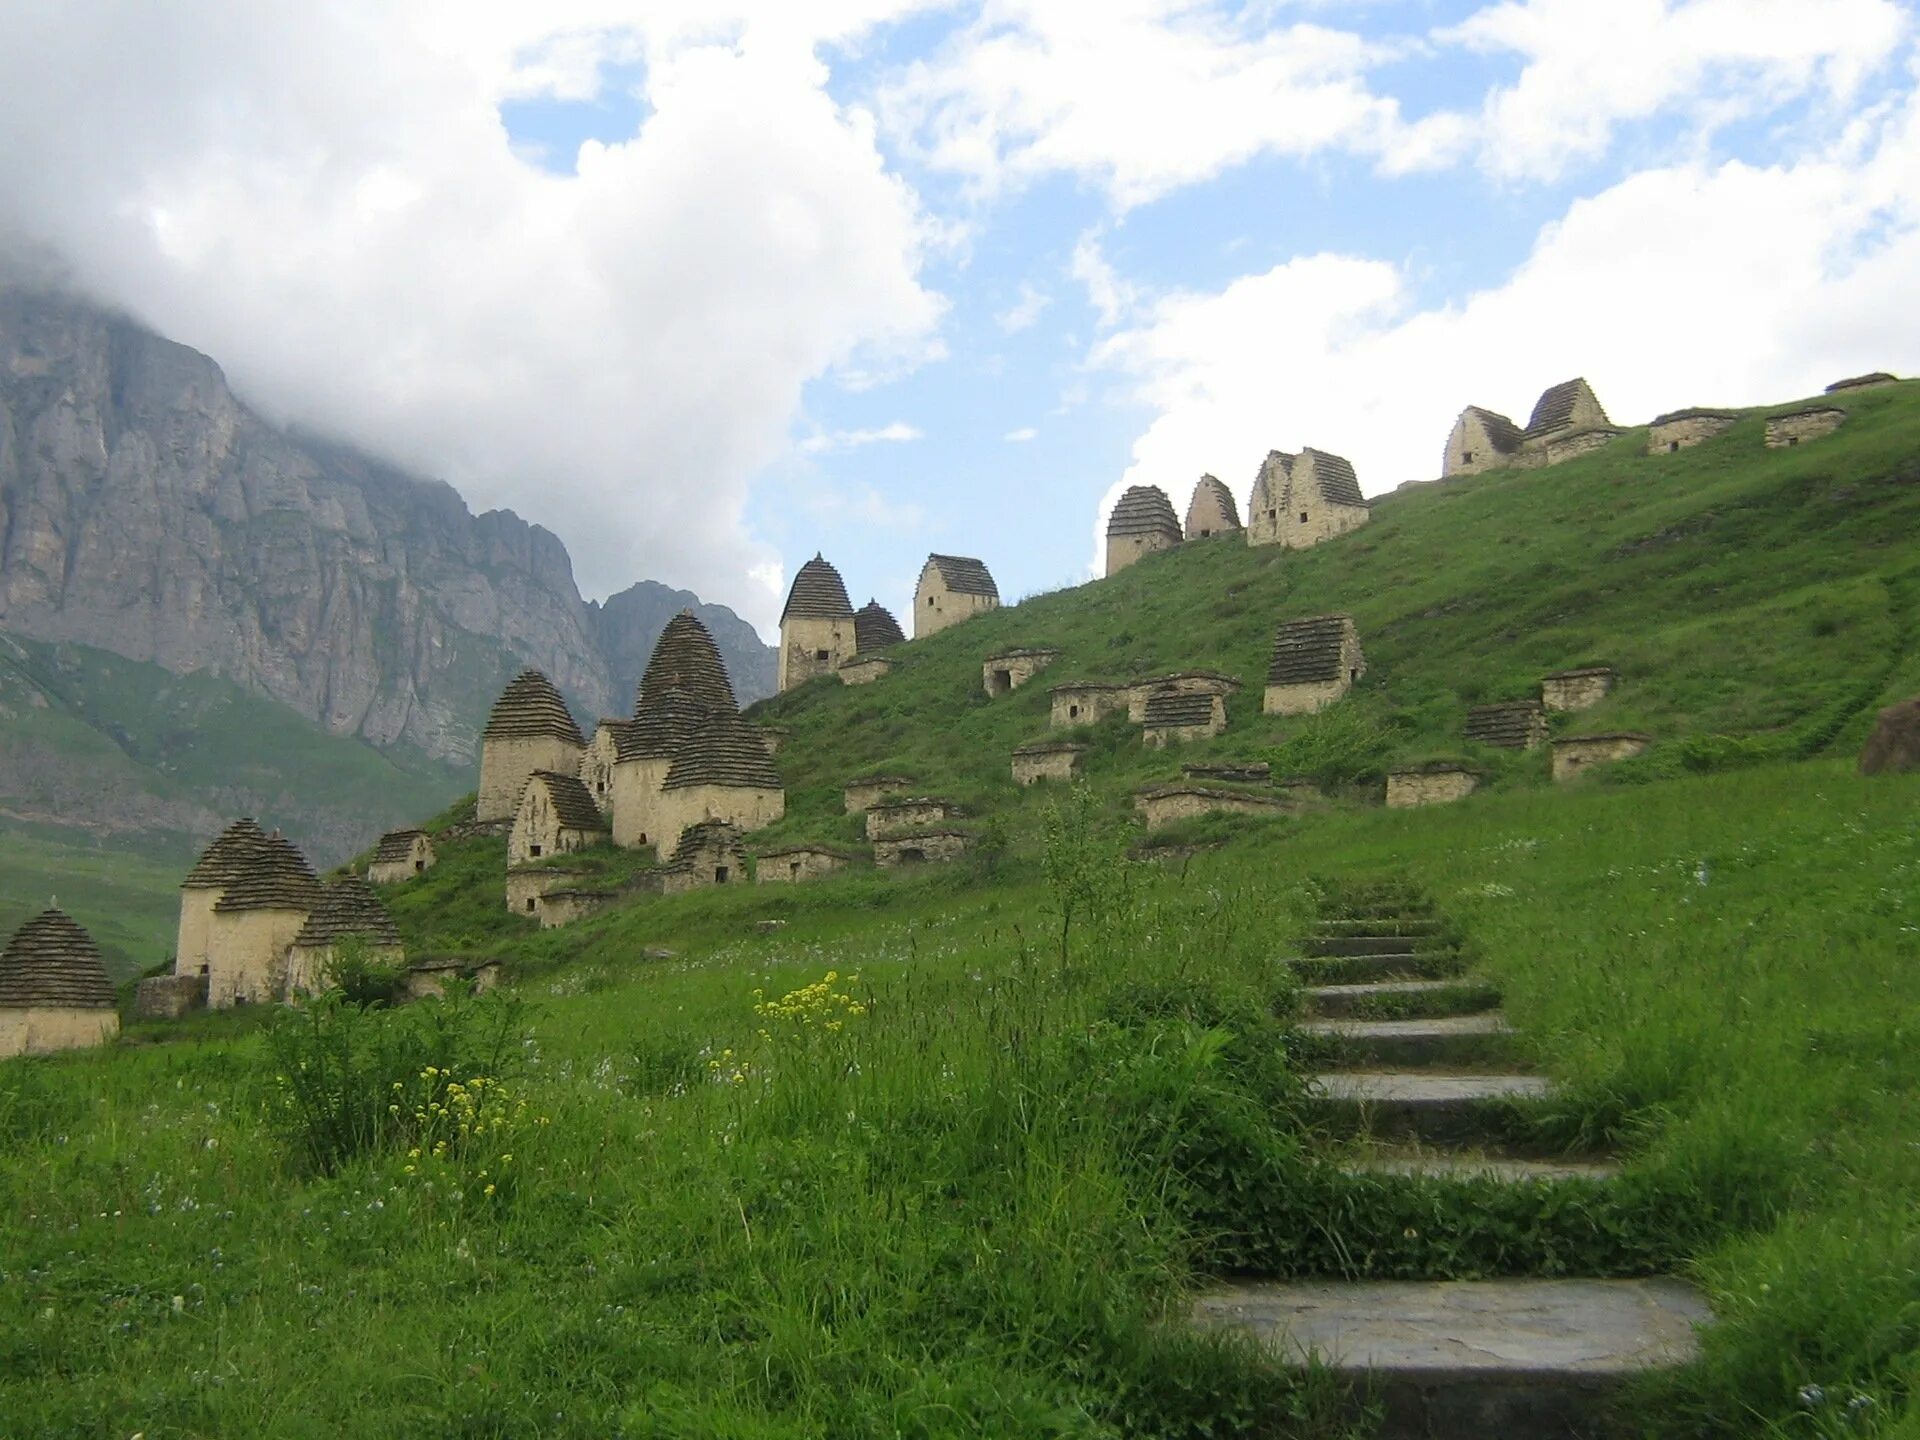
[1435,1040]
[1487,1022]
[1409,1087]
[1468,1165]
[1338,1000]
[1449,1330]
[1359,969]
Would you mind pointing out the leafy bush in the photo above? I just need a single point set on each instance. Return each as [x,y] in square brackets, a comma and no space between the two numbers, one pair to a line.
[1341,745]
[359,975]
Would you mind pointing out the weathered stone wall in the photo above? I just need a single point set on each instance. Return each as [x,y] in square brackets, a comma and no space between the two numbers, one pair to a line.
[864,669]
[1086,704]
[1125,550]
[1666,436]
[794,867]
[1158,737]
[742,808]
[45,1031]
[1407,788]
[811,646]
[935,849]
[1303,699]
[1061,763]
[1162,807]
[247,955]
[898,817]
[1471,448]
[430,982]
[537,832]
[1573,444]
[1573,757]
[1323,521]
[507,764]
[526,886]
[1575,690]
[168,997]
[596,768]
[935,607]
[563,907]
[865,794]
[636,801]
[419,859]
[196,923]
[1003,674]
[1785,430]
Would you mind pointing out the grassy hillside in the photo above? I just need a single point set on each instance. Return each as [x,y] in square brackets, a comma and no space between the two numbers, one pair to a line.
[113,773]
[1766,595]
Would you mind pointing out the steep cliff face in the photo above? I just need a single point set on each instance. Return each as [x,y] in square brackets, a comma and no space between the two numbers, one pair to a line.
[146,511]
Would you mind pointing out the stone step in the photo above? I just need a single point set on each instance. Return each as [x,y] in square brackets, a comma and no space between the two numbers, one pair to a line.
[1391,1160]
[1434,1040]
[1361,944]
[1359,969]
[1379,926]
[1401,998]
[1419,1105]
[1471,1360]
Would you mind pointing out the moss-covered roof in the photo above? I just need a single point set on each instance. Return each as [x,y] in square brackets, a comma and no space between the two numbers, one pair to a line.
[530,708]
[52,963]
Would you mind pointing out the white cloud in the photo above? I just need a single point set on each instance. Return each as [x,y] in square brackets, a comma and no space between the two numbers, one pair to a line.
[1022,314]
[1111,296]
[1590,67]
[1020,436]
[1686,285]
[826,442]
[1145,96]
[324,199]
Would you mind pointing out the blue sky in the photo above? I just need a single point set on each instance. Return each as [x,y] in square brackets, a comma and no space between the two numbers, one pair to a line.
[705,286]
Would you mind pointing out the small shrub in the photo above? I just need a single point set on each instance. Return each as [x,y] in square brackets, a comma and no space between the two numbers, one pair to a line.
[359,976]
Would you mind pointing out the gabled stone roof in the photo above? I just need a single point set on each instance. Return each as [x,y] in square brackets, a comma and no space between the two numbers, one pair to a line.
[666,719]
[724,750]
[874,628]
[531,708]
[276,876]
[706,836]
[964,575]
[396,845]
[573,806]
[223,861]
[1210,498]
[1143,510]
[1513,724]
[1275,471]
[52,963]
[1170,708]
[1554,409]
[349,908]
[1305,651]
[818,593]
[686,659]
[1505,436]
[1694,412]
[1333,475]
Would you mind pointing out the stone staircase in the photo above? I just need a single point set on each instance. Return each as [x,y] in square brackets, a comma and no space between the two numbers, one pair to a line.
[1422,1065]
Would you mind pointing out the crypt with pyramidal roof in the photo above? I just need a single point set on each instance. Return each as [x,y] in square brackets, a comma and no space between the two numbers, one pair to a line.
[529,729]
[1142,524]
[816,627]
[54,990]
[1212,510]
[350,913]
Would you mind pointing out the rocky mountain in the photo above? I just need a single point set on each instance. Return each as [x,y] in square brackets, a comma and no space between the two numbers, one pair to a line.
[146,511]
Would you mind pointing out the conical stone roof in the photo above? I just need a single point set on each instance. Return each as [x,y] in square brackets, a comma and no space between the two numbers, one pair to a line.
[874,628]
[1143,510]
[222,862]
[275,877]
[725,750]
[667,719]
[818,593]
[349,909]
[531,708]
[686,659]
[52,963]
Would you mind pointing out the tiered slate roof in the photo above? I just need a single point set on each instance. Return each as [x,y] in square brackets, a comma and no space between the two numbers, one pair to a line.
[964,575]
[1512,725]
[396,846]
[349,909]
[1334,474]
[1554,409]
[874,628]
[818,593]
[1170,708]
[531,708]
[223,861]
[724,750]
[275,876]
[51,963]
[573,806]
[686,659]
[666,719]
[706,836]
[1305,651]
[1211,496]
[1505,436]
[1143,510]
